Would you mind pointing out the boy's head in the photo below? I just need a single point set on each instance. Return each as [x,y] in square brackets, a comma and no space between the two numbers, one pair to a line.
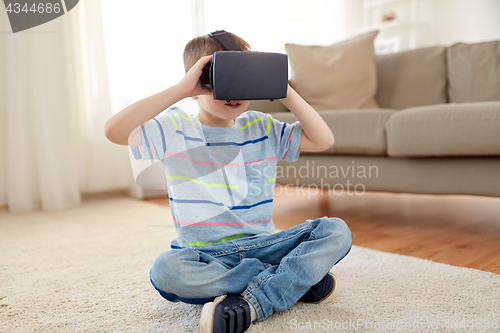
[213,111]
[205,45]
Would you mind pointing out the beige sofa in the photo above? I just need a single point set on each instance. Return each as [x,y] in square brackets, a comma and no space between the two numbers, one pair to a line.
[437,129]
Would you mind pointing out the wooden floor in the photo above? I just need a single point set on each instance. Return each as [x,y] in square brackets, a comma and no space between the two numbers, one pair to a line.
[457,230]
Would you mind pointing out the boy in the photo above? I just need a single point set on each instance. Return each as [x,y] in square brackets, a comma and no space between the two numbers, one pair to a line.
[220,167]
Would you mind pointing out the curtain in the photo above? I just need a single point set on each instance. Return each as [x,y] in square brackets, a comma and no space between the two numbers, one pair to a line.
[54,101]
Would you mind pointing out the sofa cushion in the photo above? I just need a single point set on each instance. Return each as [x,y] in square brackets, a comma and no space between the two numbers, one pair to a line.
[267,106]
[474,72]
[335,77]
[359,132]
[411,78]
[456,129]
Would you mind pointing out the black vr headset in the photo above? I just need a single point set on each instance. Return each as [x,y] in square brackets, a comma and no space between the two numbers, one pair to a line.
[236,75]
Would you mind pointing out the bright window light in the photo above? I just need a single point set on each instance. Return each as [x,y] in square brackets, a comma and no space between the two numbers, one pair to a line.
[144,41]
[267,25]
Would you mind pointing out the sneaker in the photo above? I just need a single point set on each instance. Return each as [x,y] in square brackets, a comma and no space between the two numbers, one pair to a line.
[325,291]
[226,314]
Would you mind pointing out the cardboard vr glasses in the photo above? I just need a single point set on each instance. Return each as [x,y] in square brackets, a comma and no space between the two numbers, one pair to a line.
[235,75]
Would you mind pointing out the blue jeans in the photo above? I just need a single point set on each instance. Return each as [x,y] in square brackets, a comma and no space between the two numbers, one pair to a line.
[271,272]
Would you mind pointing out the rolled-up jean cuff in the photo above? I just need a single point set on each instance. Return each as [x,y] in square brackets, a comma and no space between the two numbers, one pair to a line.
[250,299]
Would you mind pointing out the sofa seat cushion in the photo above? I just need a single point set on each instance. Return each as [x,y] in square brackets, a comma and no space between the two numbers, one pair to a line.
[359,132]
[457,129]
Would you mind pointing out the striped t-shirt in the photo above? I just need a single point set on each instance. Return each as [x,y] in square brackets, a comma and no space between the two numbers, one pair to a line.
[220,180]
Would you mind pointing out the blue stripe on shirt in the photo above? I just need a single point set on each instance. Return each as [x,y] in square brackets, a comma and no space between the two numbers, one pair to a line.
[147,141]
[250,206]
[282,131]
[190,138]
[236,143]
[162,136]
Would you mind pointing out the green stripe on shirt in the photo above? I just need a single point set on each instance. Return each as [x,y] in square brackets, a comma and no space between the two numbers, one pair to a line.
[173,120]
[269,123]
[221,240]
[197,181]
[250,123]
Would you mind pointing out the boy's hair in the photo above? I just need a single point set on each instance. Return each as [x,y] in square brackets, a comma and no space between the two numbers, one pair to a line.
[205,45]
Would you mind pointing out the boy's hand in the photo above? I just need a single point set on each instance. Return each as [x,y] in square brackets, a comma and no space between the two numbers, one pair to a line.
[189,86]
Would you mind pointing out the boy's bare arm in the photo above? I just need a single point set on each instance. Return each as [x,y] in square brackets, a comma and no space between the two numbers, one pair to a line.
[124,127]
[129,120]
[316,135]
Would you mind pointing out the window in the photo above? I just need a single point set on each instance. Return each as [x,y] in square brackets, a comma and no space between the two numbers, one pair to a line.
[144,41]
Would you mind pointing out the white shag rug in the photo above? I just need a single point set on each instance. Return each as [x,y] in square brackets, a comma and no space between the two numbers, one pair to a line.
[87,270]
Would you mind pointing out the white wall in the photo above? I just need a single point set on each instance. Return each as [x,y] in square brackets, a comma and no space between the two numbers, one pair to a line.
[466,21]
[446,21]
[353,15]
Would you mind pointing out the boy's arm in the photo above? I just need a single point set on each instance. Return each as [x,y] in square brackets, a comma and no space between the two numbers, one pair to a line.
[316,135]
[124,127]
